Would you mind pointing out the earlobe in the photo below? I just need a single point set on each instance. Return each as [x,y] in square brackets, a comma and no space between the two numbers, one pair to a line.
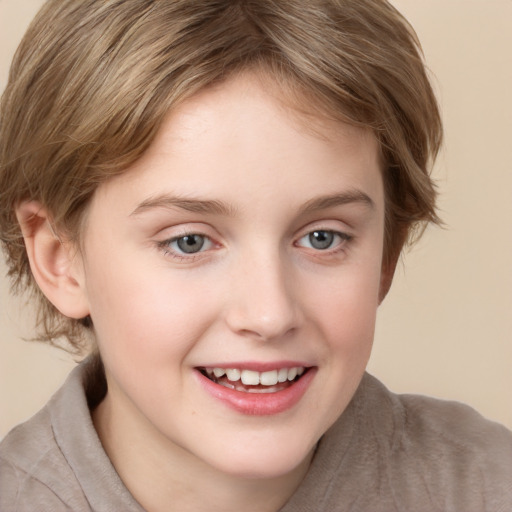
[53,262]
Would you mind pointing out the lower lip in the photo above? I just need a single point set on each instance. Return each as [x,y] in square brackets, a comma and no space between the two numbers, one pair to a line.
[259,404]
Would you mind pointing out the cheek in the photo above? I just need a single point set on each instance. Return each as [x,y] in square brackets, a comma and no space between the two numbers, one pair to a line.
[346,310]
[147,313]
[350,321]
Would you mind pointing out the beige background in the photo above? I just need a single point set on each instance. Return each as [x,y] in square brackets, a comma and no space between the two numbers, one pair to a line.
[445,330]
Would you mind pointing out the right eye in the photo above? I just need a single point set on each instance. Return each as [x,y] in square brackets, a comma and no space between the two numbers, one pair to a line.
[191,243]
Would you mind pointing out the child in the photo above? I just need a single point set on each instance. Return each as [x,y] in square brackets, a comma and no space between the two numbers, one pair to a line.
[209,198]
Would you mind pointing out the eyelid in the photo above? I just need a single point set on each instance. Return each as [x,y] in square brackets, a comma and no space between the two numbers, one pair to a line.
[179,230]
[333,225]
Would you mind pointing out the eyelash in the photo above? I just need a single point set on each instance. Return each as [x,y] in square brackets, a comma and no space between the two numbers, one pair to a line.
[165,245]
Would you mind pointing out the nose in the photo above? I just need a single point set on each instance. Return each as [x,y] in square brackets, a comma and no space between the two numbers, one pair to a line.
[263,303]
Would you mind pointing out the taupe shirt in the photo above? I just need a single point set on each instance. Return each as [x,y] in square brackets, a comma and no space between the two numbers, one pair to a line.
[386,453]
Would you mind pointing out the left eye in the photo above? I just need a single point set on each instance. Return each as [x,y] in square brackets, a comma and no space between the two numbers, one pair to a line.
[322,239]
[190,244]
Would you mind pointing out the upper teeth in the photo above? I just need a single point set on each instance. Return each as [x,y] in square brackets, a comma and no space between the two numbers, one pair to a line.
[252,378]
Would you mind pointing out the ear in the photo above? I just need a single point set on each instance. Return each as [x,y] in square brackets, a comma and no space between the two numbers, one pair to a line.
[390,262]
[54,263]
[386,276]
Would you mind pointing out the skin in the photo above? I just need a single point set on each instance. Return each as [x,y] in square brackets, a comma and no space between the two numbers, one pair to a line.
[258,291]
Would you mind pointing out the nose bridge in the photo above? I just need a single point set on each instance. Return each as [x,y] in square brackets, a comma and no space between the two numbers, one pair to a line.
[263,303]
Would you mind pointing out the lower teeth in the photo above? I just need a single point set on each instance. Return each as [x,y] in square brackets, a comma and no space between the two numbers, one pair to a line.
[246,389]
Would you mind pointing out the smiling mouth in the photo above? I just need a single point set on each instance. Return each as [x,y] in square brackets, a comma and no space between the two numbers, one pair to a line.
[249,381]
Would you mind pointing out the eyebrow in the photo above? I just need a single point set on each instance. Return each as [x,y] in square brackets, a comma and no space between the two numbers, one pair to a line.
[340,199]
[193,205]
[207,206]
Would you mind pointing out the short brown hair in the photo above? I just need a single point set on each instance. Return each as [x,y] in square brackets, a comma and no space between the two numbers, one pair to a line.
[93,80]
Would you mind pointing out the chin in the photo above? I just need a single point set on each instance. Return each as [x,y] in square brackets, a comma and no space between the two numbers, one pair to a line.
[264,460]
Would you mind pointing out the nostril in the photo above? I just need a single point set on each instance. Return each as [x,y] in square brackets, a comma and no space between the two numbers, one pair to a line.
[266,333]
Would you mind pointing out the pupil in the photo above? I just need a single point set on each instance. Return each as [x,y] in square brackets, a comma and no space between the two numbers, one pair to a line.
[190,243]
[321,239]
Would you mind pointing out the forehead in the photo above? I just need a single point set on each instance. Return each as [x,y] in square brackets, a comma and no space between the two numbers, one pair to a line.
[240,139]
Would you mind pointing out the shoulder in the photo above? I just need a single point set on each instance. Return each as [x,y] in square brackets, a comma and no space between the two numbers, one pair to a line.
[421,421]
[458,457]
[34,470]
[453,423]
[404,452]
[457,434]
[56,460]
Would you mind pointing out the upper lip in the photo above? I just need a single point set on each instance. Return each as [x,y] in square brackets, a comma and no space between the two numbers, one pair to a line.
[257,366]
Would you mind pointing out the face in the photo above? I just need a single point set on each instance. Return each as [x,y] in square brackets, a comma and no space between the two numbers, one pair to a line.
[233,275]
